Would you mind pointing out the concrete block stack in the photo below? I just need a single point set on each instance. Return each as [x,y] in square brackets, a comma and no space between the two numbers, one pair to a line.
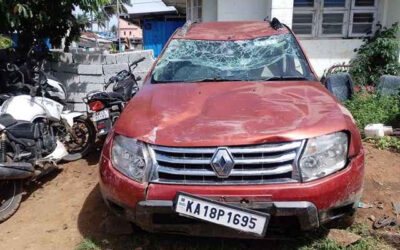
[82,73]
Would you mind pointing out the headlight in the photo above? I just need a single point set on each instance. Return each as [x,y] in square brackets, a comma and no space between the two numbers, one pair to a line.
[324,155]
[130,157]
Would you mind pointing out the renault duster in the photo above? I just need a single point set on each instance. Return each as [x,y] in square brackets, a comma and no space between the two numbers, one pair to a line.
[233,135]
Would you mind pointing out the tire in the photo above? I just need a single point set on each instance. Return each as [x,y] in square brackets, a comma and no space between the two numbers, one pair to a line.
[10,198]
[91,137]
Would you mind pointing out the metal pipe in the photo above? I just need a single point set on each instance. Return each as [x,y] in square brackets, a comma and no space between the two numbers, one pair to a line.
[119,35]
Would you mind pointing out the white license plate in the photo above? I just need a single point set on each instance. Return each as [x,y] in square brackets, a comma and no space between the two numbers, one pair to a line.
[241,219]
[101,115]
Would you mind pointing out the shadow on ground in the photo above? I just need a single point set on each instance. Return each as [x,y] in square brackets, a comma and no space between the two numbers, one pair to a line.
[32,186]
[94,211]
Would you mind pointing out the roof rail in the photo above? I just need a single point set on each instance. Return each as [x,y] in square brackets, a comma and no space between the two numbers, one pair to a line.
[276,24]
[185,28]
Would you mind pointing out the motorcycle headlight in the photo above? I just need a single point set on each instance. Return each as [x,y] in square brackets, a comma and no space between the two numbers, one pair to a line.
[130,157]
[324,155]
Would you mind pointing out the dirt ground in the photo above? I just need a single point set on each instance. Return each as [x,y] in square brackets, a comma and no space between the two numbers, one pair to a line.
[66,207]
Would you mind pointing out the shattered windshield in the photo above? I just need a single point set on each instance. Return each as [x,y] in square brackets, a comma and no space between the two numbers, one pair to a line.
[276,57]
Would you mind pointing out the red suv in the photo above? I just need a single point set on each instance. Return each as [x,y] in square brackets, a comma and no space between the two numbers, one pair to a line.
[232,134]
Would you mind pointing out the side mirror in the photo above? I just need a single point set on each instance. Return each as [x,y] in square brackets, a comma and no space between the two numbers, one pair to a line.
[138,78]
[113,79]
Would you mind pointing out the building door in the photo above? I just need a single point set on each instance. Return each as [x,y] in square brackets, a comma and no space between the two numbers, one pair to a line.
[157,33]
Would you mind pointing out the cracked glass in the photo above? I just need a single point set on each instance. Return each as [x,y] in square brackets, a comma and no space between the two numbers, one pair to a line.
[276,57]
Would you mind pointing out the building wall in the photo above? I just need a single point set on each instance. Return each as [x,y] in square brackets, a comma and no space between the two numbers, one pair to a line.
[392,12]
[283,10]
[325,53]
[210,10]
[129,30]
[239,10]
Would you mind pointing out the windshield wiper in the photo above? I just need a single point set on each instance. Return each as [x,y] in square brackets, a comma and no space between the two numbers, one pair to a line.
[216,80]
[200,80]
[285,78]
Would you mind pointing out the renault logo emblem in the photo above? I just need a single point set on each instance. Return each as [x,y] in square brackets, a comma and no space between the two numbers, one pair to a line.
[222,162]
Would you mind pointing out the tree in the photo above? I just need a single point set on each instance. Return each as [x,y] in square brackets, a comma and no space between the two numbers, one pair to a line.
[101,19]
[83,21]
[114,29]
[44,19]
[111,8]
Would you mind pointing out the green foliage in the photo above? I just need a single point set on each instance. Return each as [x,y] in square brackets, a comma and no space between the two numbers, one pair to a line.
[335,69]
[377,56]
[5,42]
[88,244]
[373,108]
[83,21]
[111,8]
[113,48]
[114,29]
[44,18]
[386,142]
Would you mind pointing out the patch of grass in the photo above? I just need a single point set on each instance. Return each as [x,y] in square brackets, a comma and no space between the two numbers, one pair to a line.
[386,142]
[367,241]
[88,244]
[372,108]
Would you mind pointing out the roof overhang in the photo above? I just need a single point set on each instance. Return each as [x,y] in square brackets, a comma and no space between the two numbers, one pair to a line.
[180,5]
[149,8]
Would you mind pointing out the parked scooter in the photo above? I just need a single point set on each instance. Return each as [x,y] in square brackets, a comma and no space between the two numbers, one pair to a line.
[106,107]
[36,133]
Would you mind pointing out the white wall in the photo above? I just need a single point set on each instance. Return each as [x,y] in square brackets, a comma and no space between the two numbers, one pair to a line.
[325,53]
[283,10]
[393,11]
[210,10]
[240,10]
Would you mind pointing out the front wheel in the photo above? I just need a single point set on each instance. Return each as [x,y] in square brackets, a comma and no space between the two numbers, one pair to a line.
[80,144]
[10,197]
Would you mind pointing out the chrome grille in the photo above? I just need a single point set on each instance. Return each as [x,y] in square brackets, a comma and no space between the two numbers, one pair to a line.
[260,164]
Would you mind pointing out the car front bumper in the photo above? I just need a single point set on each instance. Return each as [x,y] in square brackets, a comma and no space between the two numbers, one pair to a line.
[293,206]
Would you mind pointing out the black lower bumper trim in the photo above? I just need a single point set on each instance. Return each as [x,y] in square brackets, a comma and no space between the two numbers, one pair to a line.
[158,216]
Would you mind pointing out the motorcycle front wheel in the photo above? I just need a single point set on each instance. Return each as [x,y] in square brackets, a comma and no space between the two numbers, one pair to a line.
[79,146]
[10,197]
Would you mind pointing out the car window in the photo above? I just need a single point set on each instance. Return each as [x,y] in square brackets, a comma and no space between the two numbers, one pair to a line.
[272,57]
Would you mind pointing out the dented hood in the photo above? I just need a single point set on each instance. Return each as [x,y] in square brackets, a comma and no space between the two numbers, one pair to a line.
[230,113]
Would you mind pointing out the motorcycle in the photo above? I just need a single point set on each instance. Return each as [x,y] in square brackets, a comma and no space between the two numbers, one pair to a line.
[106,107]
[36,133]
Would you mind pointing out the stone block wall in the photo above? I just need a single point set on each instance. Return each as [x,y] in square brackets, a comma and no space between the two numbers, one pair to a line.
[82,73]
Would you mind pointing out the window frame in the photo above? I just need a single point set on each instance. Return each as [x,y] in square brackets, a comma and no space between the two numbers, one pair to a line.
[348,10]
[193,12]
[344,23]
[354,7]
[352,12]
[313,30]
[346,5]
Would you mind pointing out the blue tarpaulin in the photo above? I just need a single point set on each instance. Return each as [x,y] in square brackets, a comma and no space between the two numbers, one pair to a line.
[157,33]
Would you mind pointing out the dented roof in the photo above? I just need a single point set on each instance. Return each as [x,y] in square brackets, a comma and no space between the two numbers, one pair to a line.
[230,31]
